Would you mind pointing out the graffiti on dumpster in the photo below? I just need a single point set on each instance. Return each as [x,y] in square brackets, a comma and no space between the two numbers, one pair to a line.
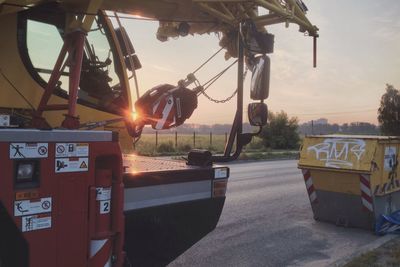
[337,153]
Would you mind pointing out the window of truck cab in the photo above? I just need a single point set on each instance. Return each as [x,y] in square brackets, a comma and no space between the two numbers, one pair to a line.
[40,39]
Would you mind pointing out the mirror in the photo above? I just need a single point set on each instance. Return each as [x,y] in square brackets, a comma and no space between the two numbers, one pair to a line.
[258,114]
[136,63]
[127,48]
[259,86]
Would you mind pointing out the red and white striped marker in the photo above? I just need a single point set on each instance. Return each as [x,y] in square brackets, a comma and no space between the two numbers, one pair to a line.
[310,186]
[164,109]
[366,193]
[100,253]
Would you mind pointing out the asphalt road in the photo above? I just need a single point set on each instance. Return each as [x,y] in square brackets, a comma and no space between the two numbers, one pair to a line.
[267,221]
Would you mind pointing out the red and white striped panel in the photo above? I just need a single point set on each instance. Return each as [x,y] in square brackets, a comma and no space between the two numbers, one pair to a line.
[164,109]
[100,253]
[310,186]
[366,193]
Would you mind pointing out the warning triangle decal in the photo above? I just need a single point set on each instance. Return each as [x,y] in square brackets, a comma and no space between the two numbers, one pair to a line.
[83,165]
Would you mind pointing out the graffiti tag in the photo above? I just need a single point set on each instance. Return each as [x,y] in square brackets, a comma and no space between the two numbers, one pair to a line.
[337,152]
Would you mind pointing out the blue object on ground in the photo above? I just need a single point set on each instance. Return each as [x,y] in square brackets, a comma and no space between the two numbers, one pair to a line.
[388,224]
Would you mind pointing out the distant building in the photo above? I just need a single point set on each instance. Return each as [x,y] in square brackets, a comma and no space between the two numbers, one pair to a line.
[321,121]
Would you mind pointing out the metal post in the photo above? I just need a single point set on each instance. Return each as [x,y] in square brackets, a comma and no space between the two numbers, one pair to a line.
[71,121]
[315,52]
[176,139]
[38,120]
[312,126]
[156,139]
[194,139]
[236,130]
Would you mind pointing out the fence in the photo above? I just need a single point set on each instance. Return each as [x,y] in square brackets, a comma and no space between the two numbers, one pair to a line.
[176,142]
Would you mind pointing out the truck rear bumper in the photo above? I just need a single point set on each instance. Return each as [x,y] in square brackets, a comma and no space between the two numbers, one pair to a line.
[155,236]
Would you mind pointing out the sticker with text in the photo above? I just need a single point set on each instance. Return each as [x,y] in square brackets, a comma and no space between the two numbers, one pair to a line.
[28,150]
[71,165]
[29,207]
[68,150]
[35,222]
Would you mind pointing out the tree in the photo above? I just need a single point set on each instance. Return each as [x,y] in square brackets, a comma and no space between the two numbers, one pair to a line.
[280,132]
[389,111]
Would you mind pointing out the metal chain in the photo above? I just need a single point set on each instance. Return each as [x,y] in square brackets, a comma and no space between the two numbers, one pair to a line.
[226,99]
[219,101]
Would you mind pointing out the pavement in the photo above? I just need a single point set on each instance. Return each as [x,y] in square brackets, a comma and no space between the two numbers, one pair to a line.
[267,221]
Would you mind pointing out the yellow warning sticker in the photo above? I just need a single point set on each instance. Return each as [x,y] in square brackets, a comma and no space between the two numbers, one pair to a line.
[71,165]
[83,165]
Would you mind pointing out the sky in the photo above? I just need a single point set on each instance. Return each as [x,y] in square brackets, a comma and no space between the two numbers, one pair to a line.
[358,54]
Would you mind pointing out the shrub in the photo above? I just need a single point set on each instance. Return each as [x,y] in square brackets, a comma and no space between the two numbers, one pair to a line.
[166,148]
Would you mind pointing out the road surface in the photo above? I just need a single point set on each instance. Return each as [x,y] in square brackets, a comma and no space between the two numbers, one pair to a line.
[267,221]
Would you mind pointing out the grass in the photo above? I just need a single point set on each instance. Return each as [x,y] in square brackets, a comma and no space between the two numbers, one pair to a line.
[386,255]
[269,155]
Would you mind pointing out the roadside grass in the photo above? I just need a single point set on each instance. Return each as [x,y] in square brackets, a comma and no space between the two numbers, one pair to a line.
[269,155]
[387,255]
[167,145]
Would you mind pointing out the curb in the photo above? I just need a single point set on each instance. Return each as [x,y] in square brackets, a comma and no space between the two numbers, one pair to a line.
[371,246]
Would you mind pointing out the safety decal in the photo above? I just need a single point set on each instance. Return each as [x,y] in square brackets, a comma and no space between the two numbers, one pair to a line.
[312,194]
[28,150]
[71,165]
[105,206]
[103,193]
[366,194]
[29,207]
[67,150]
[390,158]
[35,222]
[4,120]
[26,195]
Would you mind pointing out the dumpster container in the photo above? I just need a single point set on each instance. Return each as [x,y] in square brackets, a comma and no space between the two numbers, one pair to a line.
[351,180]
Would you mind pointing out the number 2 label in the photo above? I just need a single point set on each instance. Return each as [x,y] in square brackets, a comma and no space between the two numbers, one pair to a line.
[105,206]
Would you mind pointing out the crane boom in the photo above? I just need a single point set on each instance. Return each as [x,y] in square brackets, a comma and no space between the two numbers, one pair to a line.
[200,14]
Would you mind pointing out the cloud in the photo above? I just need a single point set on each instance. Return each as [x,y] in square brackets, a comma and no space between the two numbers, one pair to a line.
[168,69]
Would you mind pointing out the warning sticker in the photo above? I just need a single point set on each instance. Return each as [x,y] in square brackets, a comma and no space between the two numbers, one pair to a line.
[64,150]
[105,206]
[103,193]
[28,150]
[26,195]
[4,120]
[72,165]
[28,207]
[36,222]
[390,158]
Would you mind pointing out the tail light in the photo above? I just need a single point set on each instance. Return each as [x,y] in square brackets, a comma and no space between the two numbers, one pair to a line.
[219,188]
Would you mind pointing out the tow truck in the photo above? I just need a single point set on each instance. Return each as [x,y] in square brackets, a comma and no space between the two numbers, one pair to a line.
[69,196]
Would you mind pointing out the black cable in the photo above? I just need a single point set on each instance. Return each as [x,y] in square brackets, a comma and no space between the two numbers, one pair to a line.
[15,88]
[208,60]
[216,77]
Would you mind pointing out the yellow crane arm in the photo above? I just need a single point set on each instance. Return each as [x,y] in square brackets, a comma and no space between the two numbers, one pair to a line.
[202,15]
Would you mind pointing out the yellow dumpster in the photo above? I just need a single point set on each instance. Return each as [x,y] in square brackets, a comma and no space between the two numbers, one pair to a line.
[351,180]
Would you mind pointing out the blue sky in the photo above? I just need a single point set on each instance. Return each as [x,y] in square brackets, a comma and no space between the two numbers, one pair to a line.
[358,53]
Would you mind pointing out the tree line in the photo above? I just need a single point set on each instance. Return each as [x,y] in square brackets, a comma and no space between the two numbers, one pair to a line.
[282,132]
